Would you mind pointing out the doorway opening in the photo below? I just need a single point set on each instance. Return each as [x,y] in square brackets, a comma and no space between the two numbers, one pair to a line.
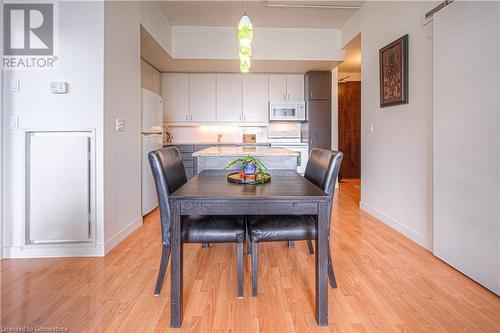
[349,113]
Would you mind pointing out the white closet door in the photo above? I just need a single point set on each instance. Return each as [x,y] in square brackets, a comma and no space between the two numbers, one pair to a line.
[467,139]
[58,187]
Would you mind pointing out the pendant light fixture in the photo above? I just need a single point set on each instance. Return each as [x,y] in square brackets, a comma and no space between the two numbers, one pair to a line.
[245,36]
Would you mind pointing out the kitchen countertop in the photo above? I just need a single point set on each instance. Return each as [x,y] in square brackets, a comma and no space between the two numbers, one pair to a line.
[241,151]
[197,143]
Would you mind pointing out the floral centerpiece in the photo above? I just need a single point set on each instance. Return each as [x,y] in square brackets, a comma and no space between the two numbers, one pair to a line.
[251,169]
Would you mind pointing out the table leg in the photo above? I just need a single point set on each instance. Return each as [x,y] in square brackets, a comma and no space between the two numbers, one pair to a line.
[322,265]
[176,267]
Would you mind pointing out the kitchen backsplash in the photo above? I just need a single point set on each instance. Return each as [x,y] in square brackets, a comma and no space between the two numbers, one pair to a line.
[208,133]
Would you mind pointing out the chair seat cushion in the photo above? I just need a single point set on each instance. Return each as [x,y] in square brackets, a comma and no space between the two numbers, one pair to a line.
[212,229]
[281,227]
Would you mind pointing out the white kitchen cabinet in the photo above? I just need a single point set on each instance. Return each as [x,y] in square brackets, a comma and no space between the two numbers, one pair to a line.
[277,88]
[202,94]
[295,87]
[175,95]
[284,88]
[255,98]
[229,98]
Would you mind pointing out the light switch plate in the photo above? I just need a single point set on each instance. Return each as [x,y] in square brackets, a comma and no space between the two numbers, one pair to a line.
[59,87]
[370,128]
[120,125]
[13,123]
[15,85]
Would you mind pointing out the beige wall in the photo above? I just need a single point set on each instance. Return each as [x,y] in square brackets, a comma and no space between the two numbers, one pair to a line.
[150,78]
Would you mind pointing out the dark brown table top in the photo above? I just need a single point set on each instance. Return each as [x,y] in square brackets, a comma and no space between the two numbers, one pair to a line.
[213,184]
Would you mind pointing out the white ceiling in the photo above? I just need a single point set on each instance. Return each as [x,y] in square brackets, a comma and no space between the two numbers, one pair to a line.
[228,13]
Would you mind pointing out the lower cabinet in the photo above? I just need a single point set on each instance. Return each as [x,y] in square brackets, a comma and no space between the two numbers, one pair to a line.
[188,159]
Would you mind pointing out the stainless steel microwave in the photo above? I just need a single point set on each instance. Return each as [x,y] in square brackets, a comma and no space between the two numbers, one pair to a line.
[292,111]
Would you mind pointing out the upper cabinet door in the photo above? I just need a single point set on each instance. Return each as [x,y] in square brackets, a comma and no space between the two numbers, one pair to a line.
[277,88]
[229,97]
[202,89]
[255,98]
[319,85]
[175,92]
[295,87]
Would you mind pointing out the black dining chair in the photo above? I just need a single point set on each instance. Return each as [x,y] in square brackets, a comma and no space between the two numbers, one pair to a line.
[168,173]
[322,170]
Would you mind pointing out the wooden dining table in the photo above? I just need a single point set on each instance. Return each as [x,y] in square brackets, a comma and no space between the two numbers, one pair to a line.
[288,193]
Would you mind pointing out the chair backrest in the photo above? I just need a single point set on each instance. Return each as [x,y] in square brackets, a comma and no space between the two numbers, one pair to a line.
[169,174]
[322,169]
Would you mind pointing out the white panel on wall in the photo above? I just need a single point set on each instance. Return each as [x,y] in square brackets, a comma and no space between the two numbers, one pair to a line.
[467,139]
[58,187]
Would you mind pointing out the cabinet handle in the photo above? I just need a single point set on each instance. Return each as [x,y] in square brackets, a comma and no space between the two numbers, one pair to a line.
[284,97]
[244,117]
[240,116]
[311,94]
[187,116]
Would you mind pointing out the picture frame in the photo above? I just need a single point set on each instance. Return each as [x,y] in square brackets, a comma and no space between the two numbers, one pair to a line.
[393,63]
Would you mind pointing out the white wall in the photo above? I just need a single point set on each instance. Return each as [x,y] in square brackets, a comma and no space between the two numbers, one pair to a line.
[396,169]
[1,137]
[100,57]
[194,42]
[153,20]
[80,63]
[352,76]
[122,100]
[467,139]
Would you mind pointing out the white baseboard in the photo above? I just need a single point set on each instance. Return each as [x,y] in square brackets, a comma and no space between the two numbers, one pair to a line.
[398,226]
[69,250]
[53,251]
[121,235]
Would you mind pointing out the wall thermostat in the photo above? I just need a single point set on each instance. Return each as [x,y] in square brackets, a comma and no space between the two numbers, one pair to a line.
[59,87]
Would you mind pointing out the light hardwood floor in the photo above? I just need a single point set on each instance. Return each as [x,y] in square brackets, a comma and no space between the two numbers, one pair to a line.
[386,283]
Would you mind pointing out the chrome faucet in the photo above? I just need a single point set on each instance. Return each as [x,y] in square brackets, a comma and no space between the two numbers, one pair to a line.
[219,137]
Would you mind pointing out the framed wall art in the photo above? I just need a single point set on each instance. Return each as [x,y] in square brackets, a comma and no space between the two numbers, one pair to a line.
[393,60]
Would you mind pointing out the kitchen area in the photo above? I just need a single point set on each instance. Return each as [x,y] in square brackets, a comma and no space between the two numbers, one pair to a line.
[214,117]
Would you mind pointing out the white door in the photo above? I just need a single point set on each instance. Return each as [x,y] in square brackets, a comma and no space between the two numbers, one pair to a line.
[229,97]
[149,197]
[255,98]
[295,87]
[202,97]
[175,90]
[58,187]
[277,88]
[466,92]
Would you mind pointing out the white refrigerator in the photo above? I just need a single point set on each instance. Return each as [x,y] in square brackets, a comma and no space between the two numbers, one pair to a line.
[152,139]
